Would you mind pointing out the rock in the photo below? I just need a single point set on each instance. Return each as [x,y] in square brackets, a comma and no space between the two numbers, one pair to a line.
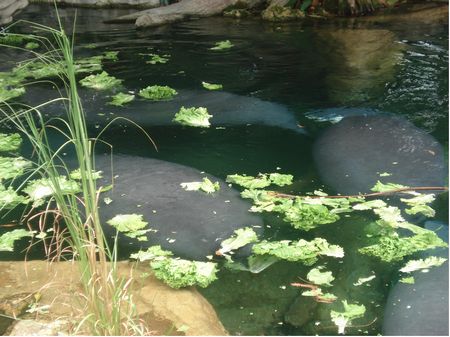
[40,328]
[105,3]
[8,8]
[279,13]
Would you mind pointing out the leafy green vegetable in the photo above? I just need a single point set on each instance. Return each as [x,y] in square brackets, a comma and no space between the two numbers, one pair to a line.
[76,174]
[178,273]
[155,58]
[306,216]
[390,216]
[363,280]
[240,238]
[10,199]
[419,203]
[407,280]
[281,179]
[102,81]
[10,142]
[11,39]
[36,69]
[380,187]
[158,93]
[426,263]
[40,189]
[152,253]
[206,186]
[128,222]
[121,98]
[342,318]
[9,93]
[111,55]
[261,181]
[211,86]
[318,277]
[221,45]
[12,167]
[7,239]
[32,45]
[369,205]
[197,117]
[302,250]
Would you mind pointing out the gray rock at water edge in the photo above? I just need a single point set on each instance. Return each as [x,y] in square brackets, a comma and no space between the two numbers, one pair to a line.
[352,154]
[421,309]
[105,3]
[10,7]
[189,223]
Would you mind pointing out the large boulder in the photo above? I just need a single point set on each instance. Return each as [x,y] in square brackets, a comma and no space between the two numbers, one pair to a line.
[10,7]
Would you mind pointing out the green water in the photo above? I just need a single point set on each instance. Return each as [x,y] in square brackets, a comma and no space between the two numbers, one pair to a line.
[305,67]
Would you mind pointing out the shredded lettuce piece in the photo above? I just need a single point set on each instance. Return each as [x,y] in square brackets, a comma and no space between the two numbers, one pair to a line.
[9,93]
[240,238]
[121,98]
[111,55]
[221,45]
[197,117]
[38,190]
[407,280]
[212,86]
[304,251]
[369,205]
[343,318]
[155,58]
[12,167]
[152,253]
[102,81]
[319,277]
[32,45]
[158,92]
[380,187]
[206,186]
[261,181]
[10,142]
[9,198]
[76,174]
[7,240]
[426,263]
[128,222]
[363,280]
[418,204]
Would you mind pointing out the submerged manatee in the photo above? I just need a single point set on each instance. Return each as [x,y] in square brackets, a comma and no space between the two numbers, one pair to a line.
[421,309]
[352,154]
[189,223]
[226,108]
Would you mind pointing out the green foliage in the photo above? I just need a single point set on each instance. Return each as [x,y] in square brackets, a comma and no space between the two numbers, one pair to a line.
[40,189]
[9,198]
[121,98]
[426,263]
[319,277]
[7,240]
[350,312]
[261,181]
[211,86]
[222,45]
[206,186]
[102,81]
[12,167]
[158,93]
[240,238]
[178,273]
[155,58]
[10,142]
[197,117]
[303,251]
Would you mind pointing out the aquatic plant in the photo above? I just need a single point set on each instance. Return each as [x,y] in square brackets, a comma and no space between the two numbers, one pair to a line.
[158,92]
[197,117]
[102,81]
[121,98]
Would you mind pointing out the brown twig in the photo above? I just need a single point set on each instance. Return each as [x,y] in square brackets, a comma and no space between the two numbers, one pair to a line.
[376,194]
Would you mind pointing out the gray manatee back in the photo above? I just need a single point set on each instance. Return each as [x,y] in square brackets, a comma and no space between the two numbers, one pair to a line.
[190,223]
[351,155]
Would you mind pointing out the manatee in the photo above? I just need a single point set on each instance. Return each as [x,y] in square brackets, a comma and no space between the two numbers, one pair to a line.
[226,108]
[189,223]
[351,155]
[421,309]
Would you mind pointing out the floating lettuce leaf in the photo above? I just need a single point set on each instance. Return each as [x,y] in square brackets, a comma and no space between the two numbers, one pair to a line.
[76,174]
[155,58]
[10,142]
[343,318]
[390,216]
[248,181]
[88,64]
[426,263]
[178,273]
[102,81]
[380,187]
[110,55]
[418,204]
[318,277]
[281,179]
[206,186]
[158,92]
[128,222]
[306,216]
[43,188]
[221,45]
[10,199]
[240,238]
[36,69]
[7,239]
[197,117]
[302,250]
[121,98]
[407,280]
[363,280]
[152,253]
[32,45]
[211,86]
[11,39]
[394,248]
[12,167]
[9,93]
[369,205]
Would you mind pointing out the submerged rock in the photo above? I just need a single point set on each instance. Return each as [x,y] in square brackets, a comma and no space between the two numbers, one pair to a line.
[280,13]
[8,8]
[189,223]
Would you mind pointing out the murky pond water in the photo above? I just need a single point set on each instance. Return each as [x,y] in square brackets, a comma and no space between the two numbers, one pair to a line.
[277,76]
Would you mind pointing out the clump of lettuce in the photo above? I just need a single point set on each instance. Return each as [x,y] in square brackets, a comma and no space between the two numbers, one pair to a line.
[381,187]
[12,167]
[7,93]
[10,142]
[111,55]
[303,251]
[319,277]
[240,238]
[32,45]
[350,312]
[131,225]
[155,58]
[11,39]
[40,189]
[222,45]
[197,117]
[212,86]
[102,81]
[7,240]
[206,186]
[261,181]
[9,198]
[158,92]
[426,263]
[178,273]
[121,98]
[76,174]
[419,204]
